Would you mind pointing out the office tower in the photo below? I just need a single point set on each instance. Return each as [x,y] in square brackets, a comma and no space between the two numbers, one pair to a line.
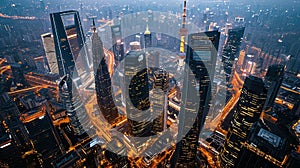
[73,104]
[69,42]
[159,99]
[148,37]
[137,95]
[42,133]
[117,42]
[102,80]
[48,44]
[230,54]
[273,82]
[69,47]
[266,146]
[248,110]
[14,140]
[198,74]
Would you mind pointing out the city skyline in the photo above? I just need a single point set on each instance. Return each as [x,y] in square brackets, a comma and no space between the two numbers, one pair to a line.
[149,84]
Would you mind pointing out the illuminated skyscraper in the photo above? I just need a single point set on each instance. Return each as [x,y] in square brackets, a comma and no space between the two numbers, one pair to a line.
[230,53]
[248,110]
[199,71]
[102,80]
[48,43]
[159,100]
[273,82]
[69,47]
[137,94]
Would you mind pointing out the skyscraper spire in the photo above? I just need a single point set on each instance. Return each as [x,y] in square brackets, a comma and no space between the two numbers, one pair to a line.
[147,31]
[94,27]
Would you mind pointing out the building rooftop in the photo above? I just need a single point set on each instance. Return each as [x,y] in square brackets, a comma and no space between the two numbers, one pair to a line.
[270,137]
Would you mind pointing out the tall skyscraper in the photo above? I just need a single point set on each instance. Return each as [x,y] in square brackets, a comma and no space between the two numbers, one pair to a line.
[273,82]
[137,94]
[48,43]
[73,104]
[69,42]
[148,37]
[159,100]
[102,80]
[230,54]
[199,71]
[69,47]
[248,110]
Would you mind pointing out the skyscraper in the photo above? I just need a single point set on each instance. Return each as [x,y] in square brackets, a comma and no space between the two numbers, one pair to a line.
[137,94]
[73,104]
[230,54]
[14,138]
[42,133]
[159,100]
[117,43]
[69,42]
[273,82]
[199,72]
[69,46]
[266,146]
[248,110]
[102,80]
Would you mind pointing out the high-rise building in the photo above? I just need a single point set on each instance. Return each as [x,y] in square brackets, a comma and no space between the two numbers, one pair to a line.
[159,99]
[48,43]
[273,82]
[14,140]
[117,42]
[248,110]
[42,133]
[69,42]
[73,104]
[102,80]
[97,48]
[230,53]
[137,94]
[266,146]
[199,71]
[148,37]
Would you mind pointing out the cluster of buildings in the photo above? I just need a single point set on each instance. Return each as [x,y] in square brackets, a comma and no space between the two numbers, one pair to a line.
[45,121]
